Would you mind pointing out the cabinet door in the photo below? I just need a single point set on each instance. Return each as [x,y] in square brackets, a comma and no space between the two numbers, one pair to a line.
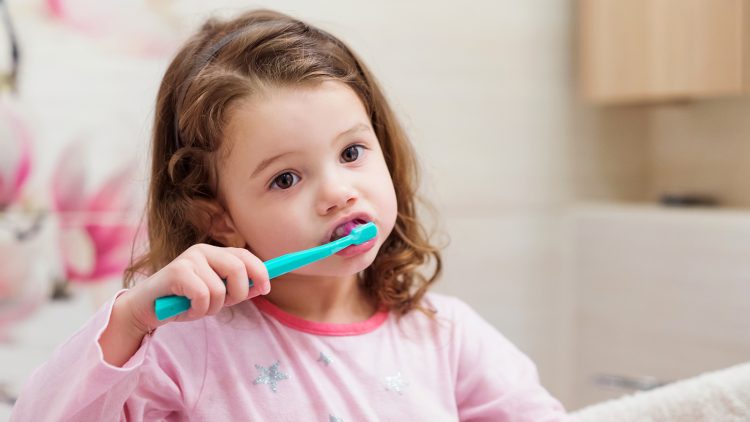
[661,296]
[648,50]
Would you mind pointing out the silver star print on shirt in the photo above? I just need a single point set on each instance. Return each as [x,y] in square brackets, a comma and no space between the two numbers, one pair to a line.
[332,418]
[324,358]
[270,375]
[396,383]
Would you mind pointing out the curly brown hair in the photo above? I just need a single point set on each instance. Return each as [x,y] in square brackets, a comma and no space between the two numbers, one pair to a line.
[226,61]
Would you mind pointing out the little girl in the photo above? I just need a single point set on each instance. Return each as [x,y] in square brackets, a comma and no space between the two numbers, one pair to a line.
[271,136]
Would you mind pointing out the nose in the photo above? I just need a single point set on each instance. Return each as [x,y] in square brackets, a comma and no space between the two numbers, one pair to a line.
[335,193]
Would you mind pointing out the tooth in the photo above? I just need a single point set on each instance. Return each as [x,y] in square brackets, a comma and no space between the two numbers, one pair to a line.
[339,232]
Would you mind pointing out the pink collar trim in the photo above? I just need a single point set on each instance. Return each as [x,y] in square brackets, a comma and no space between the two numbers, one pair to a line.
[321,328]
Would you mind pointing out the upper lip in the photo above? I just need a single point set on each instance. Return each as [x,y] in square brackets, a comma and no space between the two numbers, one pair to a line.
[353,216]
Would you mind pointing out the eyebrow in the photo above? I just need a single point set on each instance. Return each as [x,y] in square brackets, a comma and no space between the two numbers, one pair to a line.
[360,127]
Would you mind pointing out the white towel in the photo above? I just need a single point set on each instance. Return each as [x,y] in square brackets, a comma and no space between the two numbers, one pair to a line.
[720,396]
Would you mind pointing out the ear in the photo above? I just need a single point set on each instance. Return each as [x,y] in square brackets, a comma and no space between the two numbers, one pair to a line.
[217,222]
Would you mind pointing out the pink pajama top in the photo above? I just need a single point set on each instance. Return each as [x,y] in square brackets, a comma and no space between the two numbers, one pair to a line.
[256,362]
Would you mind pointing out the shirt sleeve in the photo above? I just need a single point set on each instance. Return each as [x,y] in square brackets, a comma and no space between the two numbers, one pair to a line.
[77,384]
[494,380]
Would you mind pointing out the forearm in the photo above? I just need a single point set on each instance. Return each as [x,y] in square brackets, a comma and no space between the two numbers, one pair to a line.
[121,338]
[75,384]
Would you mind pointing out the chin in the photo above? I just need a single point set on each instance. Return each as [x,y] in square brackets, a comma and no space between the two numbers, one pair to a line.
[355,264]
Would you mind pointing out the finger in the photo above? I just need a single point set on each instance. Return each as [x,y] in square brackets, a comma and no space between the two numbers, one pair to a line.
[217,290]
[255,270]
[225,263]
[237,281]
[189,284]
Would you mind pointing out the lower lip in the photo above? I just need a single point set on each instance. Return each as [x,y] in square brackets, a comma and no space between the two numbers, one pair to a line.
[357,249]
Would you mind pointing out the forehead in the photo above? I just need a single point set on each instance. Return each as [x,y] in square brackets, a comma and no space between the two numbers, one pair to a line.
[283,117]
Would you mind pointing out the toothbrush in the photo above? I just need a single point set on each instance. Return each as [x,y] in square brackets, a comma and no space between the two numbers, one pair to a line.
[169,306]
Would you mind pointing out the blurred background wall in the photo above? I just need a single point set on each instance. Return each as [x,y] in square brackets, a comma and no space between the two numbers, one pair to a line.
[528,175]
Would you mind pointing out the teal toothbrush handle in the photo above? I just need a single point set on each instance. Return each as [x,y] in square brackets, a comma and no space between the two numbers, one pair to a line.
[169,306]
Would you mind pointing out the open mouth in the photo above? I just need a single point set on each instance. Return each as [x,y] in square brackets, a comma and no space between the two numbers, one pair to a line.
[346,228]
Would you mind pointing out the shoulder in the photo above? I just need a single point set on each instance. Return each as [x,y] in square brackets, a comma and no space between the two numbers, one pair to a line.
[462,321]
[443,301]
[449,307]
[452,319]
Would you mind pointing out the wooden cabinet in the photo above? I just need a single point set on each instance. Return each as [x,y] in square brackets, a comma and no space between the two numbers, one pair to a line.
[656,50]
[661,295]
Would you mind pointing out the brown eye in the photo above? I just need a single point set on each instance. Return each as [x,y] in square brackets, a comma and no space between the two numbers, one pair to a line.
[352,153]
[285,180]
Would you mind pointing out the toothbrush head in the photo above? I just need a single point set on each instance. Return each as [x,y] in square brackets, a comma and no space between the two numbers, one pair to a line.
[363,233]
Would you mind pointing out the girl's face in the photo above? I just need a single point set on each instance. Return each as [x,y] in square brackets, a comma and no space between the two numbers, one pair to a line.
[301,167]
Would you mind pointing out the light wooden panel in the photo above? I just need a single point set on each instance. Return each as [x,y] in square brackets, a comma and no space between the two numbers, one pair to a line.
[646,50]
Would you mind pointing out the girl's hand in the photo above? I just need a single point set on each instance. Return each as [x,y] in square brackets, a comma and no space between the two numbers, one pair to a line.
[196,274]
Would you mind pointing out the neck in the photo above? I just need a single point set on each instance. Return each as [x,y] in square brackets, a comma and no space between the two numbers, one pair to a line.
[321,299]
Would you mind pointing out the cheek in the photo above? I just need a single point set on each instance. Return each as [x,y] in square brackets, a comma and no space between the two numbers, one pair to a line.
[272,232]
[387,201]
